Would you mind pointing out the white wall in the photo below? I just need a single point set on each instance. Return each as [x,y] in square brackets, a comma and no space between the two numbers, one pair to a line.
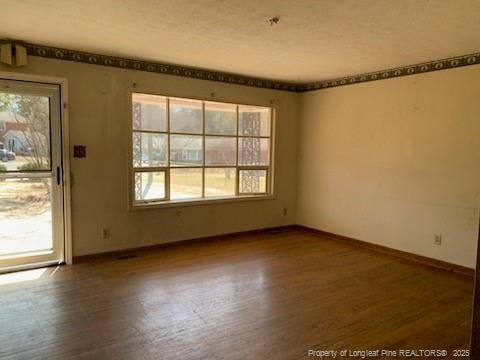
[394,162]
[98,108]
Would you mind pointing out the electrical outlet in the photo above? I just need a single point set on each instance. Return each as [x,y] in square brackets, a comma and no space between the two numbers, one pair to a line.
[106,232]
[438,240]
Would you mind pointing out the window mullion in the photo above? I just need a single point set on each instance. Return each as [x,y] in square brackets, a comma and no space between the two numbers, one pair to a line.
[149,131]
[203,147]
[167,173]
[167,184]
[237,175]
[149,168]
[270,156]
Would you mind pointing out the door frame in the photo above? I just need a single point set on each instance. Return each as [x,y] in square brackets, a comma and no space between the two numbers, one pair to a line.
[475,337]
[62,83]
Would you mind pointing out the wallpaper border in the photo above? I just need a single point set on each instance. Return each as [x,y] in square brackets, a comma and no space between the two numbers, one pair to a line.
[155,67]
[434,65]
[212,75]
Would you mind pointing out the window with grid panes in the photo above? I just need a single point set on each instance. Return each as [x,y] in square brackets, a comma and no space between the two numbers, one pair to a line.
[189,150]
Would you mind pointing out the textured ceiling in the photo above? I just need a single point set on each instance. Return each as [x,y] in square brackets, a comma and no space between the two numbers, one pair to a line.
[314,39]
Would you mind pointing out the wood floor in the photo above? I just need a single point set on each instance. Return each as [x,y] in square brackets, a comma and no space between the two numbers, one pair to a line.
[267,296]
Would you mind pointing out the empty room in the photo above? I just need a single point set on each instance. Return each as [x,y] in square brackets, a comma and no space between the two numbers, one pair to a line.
[239,179]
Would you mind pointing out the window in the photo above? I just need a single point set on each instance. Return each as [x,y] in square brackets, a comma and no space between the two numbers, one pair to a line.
[189,150]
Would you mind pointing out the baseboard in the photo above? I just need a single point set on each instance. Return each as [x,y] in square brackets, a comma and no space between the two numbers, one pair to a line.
[458,269]
[186,242]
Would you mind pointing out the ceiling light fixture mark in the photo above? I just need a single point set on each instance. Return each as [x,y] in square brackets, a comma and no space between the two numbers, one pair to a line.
[274,20]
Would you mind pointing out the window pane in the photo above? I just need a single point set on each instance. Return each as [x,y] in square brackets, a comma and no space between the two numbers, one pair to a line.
[149,112]
[25,215]
[220,150]
[220,182]
[25,140]
[253,151]
[149,185]
[254,121]
[185,183]
[185,116]
[186,150]
[220,119]
[253,181]
[149,149]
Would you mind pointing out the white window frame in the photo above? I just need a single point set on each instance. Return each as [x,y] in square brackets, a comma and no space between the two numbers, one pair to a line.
[62,83]
[166,201]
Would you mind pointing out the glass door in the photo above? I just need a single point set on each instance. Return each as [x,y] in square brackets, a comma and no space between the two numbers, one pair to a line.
[31,181]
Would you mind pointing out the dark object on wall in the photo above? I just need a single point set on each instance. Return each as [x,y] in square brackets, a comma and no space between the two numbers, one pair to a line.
[475,341]
[79,151]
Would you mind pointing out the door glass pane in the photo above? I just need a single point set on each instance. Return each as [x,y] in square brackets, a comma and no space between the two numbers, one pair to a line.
[220,150]
[186,150]
[220,119]
[25,215]
[149,112]
[185,183]
[220,182]
[254,121]
[253,181]
[253,151]
[150,185]
[24,132]
[149,149]
[185,116]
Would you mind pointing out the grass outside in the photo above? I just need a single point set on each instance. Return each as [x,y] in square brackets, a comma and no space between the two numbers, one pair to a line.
[25,215]
[187,183]
[19,197]
[14,165]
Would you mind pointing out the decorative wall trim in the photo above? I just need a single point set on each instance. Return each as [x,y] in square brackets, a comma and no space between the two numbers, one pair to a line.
[435,65]
[156,67]
[197,73]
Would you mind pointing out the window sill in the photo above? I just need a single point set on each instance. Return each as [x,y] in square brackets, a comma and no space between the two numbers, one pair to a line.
[191,202]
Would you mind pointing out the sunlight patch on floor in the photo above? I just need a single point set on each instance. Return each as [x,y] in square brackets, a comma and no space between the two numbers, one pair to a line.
[21,276]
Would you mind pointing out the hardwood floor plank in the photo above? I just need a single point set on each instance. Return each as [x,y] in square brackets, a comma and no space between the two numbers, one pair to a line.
[251,296]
